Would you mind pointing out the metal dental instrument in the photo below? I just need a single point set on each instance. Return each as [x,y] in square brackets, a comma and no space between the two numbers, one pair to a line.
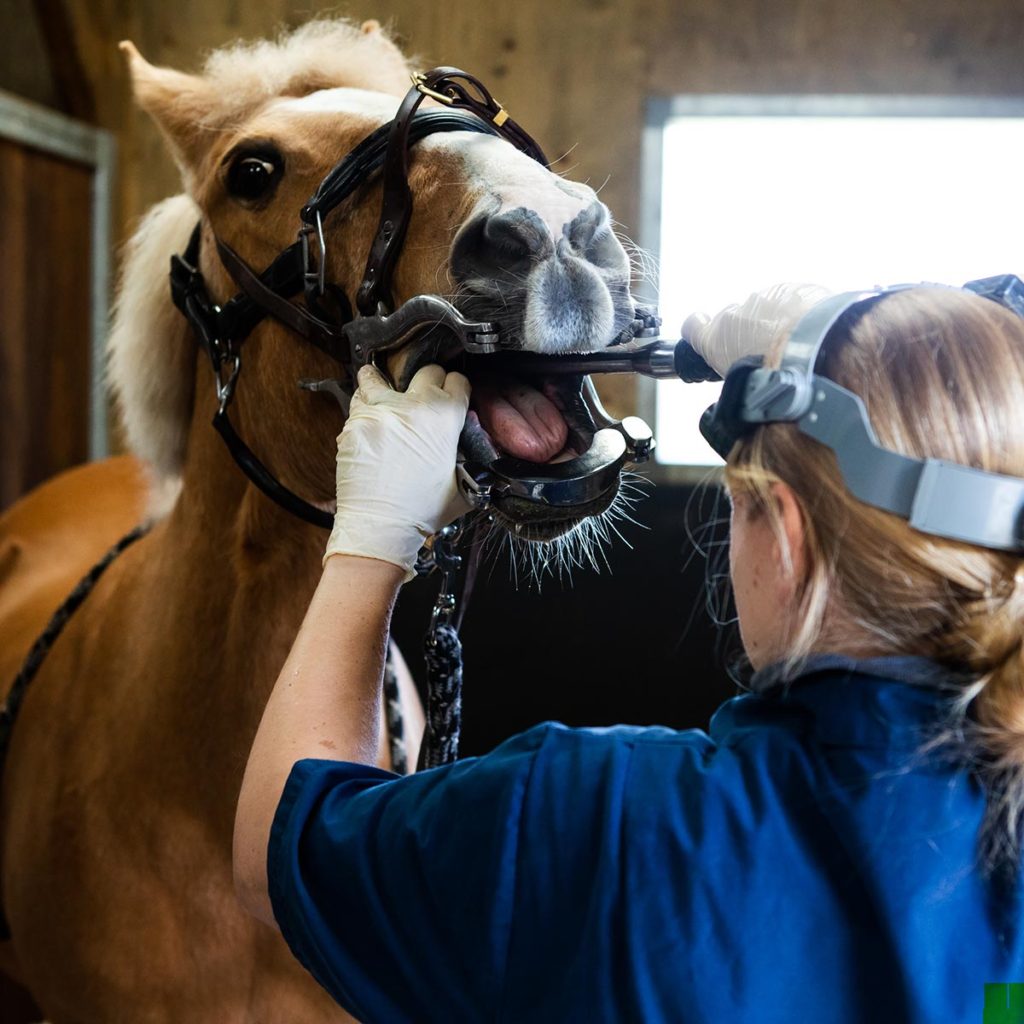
[331,387]
[369,336]
[662,360]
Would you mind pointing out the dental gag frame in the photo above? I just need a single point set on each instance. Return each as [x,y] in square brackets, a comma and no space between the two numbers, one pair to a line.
[431,329]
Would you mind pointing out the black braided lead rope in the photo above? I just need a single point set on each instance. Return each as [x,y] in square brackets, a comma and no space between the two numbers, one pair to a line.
[60,618]
[48,637]
[442,652]
[393,716]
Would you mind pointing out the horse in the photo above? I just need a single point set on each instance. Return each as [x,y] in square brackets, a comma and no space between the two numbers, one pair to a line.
[120,783]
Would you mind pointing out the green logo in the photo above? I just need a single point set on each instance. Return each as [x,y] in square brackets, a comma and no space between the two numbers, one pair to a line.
[1004,1004]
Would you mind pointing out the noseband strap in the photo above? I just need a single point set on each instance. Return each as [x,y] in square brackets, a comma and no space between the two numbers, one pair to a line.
[482,111]
[269,296]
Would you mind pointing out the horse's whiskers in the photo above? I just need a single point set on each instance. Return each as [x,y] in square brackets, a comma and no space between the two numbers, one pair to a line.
[584,547]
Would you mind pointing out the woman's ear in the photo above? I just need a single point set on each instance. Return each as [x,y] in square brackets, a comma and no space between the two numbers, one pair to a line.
[793,555]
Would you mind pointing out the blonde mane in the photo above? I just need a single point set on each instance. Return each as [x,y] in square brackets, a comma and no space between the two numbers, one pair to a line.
[151,353]
[150,350]
[323,54]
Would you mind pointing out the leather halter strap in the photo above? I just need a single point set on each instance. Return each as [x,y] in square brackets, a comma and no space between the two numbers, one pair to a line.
[264,479]
[444,85]
[220,333]
[221,330]
[273,300]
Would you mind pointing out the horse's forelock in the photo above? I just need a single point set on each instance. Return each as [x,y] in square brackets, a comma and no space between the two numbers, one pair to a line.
[151,355]
[322,54]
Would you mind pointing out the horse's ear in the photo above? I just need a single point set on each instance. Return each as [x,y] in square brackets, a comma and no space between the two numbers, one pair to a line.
[180,104]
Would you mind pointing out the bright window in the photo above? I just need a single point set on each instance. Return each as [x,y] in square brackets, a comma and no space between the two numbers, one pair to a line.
[840,191]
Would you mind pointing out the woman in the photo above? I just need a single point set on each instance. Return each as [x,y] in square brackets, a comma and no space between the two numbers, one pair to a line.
[843,846]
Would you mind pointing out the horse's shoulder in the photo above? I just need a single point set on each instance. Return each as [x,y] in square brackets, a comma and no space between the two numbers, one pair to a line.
[52,536]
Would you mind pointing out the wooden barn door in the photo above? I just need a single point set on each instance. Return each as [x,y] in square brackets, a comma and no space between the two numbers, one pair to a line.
[54,254]
[54,182]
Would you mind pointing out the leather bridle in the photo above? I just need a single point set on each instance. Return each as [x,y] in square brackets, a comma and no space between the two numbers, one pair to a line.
[326,319]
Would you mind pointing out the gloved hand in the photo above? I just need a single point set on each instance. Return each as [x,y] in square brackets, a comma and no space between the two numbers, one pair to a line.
[750,328]
[396,466]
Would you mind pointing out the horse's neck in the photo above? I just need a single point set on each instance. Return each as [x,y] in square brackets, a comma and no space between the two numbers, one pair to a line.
[233,574]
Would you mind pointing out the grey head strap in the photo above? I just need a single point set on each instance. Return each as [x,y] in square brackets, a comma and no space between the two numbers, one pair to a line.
[936,497]
[785,394]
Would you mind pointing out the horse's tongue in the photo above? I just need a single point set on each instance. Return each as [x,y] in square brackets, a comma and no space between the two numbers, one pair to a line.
[520,420]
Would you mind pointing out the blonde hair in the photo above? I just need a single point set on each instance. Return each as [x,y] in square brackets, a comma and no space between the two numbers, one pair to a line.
[941,372]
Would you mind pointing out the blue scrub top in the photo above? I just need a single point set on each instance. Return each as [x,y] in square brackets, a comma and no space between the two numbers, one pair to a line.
[805,862]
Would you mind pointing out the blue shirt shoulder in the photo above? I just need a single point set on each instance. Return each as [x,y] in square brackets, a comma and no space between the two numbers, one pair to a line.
[803,861]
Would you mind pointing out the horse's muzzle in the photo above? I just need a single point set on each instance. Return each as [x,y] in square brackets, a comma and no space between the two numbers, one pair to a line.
[580,481]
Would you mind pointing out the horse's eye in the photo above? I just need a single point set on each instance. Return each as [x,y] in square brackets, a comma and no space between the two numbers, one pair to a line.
[254,176]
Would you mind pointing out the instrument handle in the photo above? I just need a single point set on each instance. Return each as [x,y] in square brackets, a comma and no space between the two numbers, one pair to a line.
[663,359]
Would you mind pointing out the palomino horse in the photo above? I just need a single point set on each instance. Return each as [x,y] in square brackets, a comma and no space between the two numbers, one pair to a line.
[119,789]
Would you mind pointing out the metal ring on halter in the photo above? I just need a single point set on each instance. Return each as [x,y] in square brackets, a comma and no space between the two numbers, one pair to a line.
[226,388]
[319,276]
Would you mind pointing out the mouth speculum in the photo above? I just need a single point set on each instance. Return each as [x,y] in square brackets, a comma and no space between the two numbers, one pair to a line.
[538,451]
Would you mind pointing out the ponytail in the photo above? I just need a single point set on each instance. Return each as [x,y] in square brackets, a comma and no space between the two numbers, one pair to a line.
[993,639]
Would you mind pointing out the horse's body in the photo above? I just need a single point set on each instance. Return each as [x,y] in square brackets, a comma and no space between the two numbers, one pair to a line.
[120,786]
[118,796]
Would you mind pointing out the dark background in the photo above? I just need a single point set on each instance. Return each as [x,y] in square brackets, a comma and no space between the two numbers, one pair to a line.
[632,643]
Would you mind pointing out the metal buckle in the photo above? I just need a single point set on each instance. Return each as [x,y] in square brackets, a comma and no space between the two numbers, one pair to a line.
[439,553]
[419,80]
[319,276]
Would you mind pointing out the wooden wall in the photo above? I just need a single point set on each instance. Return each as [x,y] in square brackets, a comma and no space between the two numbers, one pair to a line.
[576,72]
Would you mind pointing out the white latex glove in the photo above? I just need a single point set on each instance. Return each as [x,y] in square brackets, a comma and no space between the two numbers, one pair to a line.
[750,328]
[396,466]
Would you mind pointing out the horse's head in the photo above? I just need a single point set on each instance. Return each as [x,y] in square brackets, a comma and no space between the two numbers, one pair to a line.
[493,230]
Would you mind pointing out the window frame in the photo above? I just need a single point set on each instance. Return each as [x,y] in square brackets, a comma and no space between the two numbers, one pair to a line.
[662,109]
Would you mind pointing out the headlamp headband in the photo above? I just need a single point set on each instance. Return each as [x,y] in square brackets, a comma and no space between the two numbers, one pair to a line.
[936,497]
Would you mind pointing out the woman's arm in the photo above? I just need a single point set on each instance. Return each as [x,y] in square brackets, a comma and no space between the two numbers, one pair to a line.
[396,487]
[326,703]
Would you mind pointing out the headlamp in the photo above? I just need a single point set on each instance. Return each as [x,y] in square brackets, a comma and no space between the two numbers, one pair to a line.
[938,497]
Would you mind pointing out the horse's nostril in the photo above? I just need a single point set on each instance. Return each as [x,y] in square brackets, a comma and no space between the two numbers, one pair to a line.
[590,235]
[500,243]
